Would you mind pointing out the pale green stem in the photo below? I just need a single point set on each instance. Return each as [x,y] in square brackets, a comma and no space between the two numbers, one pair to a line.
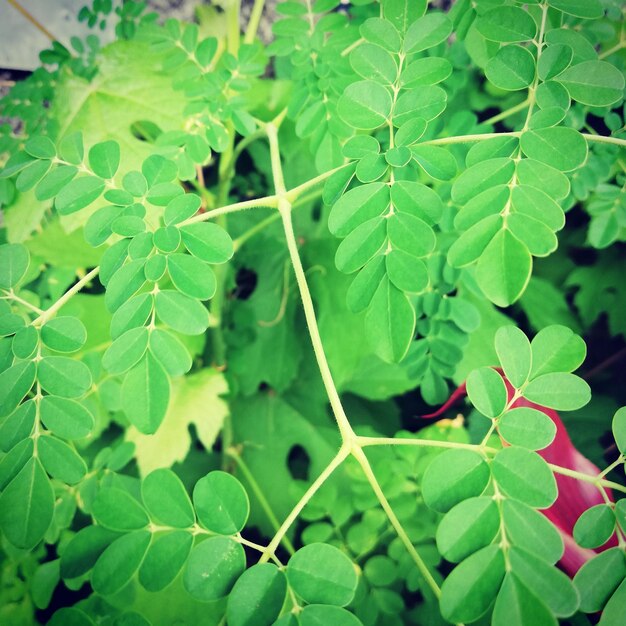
[359,455]
[603,139]
[616,463]
[51,312]
[595,480]
[268,202]
[507,113]
[296,192]
[255,19]
[467,138]
[425,443]
[10,295]
[232,26]
[343,453]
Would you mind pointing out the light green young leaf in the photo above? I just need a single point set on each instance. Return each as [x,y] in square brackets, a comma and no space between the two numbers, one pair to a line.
[525,476]
[166,499]
[357,206]
[170,352]
[486,391]
[619,429]
[482,176]
[438,163]
[374,63]
[425,102]
[613,614]
[516,605]
[78,194]
[427,32]
[213,568]
[361,245]
[15,383]
[556,349]
[207,241]
[104,158]
[473,242]
[257,597]
[191,276]
[554,59]
[321,573]
[427,71]
[452,477]
[126,350]
[381,32]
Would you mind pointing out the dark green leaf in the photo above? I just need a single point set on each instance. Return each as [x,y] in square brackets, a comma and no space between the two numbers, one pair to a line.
[116,509]
[165,559]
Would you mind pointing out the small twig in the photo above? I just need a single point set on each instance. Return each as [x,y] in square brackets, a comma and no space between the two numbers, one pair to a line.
[618,356]
[33,20]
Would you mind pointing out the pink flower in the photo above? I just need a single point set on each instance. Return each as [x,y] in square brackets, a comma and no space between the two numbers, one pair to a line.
[575,496]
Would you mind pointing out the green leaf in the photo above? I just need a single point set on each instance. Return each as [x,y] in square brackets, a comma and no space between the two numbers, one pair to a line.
[595,526]
[213,568]
[504,268]
[374,63]
[191,276]
[361,245]
[381,32]
[167,239]
[619,429]
[467,527]
[66,418]
[512,68]
[257,597]
[473,242]
[559,391]
[31,175]
[547,582]
[357,206]
[70,616]
[554,59]
[170,352]
[556,349]
[71,148]
[40,147]
[14,260]
[321,615]
[486,391]
[181,208]
[44,582]
[516,605]
[598,579]
[594,83]
[221,503]
[613,614]
[17,427]
[588,9]
[164,560]
[365,105]
[119,562]
[166,499]
[529,199]
[390,321]
[467,593]
[207,241]
[79,193]
[527,428]
[532,531]
[64,334]
[410,234]
[320,573]
[428,71]
[104,158]
[482,176]
[563,148]
[438,163]
[27,506]
[116,509]
[406,272]
[525,476]
[452,477]
[124,283]
[146,394]
[83,549]
[15,383]
[181,313]
[514,353]
[126,350]
[65,377]
[427,32]
[60,460]
[426,102]
[506,25]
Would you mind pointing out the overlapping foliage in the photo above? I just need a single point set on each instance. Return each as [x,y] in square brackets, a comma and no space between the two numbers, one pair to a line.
[187,211]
